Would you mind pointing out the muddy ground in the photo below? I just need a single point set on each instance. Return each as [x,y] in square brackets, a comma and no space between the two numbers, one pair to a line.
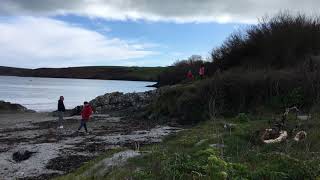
[54,151]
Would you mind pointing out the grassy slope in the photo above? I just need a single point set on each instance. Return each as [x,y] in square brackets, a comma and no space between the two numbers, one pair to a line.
[178,157]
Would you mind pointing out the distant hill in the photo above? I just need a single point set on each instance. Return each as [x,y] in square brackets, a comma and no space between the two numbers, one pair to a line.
[89,72]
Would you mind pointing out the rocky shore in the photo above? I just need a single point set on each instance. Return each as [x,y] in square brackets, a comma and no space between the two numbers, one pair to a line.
[119,101]
[33,148]
[7,107]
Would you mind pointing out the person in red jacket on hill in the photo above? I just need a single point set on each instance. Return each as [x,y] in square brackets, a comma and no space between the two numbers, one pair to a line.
[85,113]
[190,75]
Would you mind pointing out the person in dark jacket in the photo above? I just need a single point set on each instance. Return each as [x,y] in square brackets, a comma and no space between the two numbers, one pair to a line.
[61,110]
[85,113]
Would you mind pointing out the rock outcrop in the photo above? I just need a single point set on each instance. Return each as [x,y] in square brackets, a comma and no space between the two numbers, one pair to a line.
[8,107]
[117,101]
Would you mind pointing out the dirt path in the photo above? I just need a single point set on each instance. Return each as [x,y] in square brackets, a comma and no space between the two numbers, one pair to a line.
[55,151]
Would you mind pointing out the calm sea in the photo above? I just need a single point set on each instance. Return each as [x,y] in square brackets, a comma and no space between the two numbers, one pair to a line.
[41,94]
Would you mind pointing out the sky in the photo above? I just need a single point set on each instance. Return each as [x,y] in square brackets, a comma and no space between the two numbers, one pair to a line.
[61,33]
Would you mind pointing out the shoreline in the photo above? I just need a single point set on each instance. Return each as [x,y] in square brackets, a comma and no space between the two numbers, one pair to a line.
[98,79]
[89,72]
[116,125]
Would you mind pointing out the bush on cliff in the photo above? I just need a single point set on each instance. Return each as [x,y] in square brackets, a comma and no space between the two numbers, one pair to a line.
[178,71]
[233,93]
[281,41]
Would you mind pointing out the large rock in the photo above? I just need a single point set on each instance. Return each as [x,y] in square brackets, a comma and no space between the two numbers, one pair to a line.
[8,107]
[117,101]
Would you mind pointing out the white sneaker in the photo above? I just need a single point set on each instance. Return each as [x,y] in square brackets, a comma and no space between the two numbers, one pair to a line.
[61,127]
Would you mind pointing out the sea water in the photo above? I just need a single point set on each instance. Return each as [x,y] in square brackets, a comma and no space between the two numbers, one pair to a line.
[42,94]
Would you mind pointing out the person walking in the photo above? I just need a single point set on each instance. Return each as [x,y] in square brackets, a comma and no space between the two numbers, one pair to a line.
[190,75]
[61,110]
[85,113]
[201,71]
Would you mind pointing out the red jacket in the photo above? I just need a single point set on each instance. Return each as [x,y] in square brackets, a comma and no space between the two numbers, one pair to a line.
[86,112]
[190,75]
[201,71]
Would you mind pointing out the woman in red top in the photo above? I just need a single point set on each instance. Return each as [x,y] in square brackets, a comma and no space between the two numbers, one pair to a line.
[201,71]
[85,113]
[190,75]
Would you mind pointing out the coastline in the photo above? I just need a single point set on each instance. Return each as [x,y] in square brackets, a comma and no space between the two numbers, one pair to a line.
[90,72]
[115,125]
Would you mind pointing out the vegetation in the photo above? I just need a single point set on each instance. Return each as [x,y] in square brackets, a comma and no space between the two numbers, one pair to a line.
[178,71]
[262,67]
[92,72]
[210,151]
[282,41]
[233,92]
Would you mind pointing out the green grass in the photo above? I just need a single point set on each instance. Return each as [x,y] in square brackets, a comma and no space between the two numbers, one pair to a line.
[146,73]
[244,157]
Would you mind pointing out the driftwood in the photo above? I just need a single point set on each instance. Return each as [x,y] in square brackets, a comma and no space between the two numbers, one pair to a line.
[271,136]
[278,134]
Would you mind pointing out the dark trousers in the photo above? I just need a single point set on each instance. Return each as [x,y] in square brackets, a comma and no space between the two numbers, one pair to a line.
[83,124]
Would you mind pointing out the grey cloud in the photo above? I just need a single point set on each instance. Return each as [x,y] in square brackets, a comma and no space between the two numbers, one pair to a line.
[162,10]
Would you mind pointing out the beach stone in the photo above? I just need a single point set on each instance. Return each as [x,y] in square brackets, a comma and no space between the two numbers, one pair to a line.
[21,155]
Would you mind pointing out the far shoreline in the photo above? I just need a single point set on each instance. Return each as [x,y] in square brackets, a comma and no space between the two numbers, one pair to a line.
[120,73]
[82,79]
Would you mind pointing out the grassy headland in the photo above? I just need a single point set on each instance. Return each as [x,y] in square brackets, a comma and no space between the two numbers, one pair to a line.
[90,72]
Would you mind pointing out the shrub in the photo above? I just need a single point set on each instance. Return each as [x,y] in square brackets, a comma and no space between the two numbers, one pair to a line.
[281,166]
[205,163]
[178,71]
[234,93]
[270,43]
[242,117]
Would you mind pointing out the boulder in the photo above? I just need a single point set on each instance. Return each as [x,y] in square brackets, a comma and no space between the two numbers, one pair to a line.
[117,101]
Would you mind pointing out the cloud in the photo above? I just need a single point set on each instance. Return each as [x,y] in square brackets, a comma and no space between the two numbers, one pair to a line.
[44,42]
[222,11]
